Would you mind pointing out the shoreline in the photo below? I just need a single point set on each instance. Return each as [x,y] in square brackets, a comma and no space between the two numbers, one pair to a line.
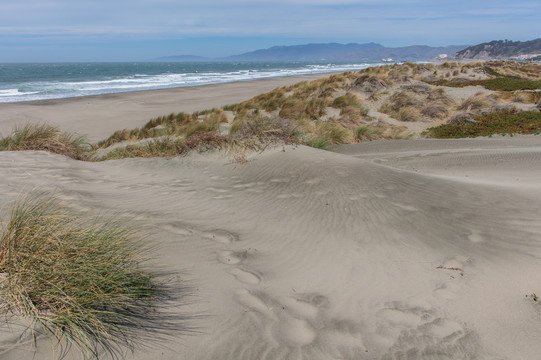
[98,116]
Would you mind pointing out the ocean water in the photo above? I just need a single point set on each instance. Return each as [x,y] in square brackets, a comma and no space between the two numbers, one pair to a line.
[26,82]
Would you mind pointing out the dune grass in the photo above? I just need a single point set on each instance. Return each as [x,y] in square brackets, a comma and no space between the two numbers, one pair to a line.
[47,138]
[171,146]
[82,279]
[368,133]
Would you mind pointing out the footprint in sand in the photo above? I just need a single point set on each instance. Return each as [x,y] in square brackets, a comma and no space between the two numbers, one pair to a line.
[219,197]
[295,332]
[245,276]
[414,328]
[253,302]
[447,291]
[299,308]
[176,228]
[231,257]
[220,236]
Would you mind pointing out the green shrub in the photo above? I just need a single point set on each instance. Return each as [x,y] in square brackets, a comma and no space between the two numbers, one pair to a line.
[503,122]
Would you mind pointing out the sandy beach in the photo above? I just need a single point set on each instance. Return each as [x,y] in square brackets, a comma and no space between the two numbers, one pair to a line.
[414,249]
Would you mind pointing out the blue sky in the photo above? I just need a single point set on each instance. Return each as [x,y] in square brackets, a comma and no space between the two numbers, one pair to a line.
[135,30]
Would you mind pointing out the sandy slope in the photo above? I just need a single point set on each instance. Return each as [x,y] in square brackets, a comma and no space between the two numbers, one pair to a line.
[307,254]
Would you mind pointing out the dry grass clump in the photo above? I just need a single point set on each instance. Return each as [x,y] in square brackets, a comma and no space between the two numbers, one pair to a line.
[435,111]
[399,100]
[513,69]
[369,84]
[327,134]
[418,88]
[180,124]
[351,108]
[409,113]
[270,101]
[417,102]
[164,147]
[368,133]
[437,95]
[84,280]
[46,138]
[292,108]
[171,146]
[475,103]
[266,129]
[530,97]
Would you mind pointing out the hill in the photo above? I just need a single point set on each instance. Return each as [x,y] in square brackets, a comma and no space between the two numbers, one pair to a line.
[349,52]
[308,52]
[502,49]
[335,52]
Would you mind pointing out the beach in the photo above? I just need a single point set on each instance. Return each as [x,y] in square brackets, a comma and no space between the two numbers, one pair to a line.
[397,249]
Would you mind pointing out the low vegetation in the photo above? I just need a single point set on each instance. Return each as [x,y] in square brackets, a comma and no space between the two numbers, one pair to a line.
[499,83]
[503,122]
[83,279]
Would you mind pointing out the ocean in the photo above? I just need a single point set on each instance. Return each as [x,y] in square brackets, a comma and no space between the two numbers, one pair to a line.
[27,82]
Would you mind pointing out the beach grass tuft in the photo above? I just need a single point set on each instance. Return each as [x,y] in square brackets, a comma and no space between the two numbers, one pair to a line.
[82,279]
[368,133]
[46,138]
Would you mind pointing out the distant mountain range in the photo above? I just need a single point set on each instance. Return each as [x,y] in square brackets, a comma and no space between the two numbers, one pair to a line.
[503,49]
[373,52]
[369,52]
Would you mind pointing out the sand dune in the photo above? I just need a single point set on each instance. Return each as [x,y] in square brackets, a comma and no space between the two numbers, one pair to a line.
[388,250]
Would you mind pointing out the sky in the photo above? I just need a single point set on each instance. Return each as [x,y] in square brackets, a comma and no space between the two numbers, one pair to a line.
[139,30]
